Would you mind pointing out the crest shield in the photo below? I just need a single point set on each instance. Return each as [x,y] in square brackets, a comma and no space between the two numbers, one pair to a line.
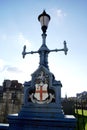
[41,92]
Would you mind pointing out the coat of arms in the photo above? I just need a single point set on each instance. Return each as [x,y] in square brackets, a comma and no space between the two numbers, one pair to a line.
[41,94]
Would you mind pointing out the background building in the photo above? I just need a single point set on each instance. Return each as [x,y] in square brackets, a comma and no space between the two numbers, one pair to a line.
[11,98]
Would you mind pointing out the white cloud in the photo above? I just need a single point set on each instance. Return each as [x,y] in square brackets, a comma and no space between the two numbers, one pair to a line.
[13,69]
[9,71]
[19,38]
[58,15]
[6,37]
[6,67]
[21,71]
[22,40]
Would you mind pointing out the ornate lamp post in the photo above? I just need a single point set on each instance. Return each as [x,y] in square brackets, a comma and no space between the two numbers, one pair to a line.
[42,94]
[43,51]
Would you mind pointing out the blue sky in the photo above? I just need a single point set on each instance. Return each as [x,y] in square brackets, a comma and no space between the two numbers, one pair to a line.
[19,26]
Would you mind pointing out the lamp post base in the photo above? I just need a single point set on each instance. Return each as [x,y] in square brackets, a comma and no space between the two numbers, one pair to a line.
[22,123]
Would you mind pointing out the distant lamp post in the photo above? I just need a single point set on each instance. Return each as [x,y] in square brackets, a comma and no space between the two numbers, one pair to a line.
[44,19]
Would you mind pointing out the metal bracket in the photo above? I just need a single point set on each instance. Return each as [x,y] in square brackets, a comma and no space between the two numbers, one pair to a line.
[65,49]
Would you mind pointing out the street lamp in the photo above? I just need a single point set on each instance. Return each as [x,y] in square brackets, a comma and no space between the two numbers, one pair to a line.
[44,19]
[43,51]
